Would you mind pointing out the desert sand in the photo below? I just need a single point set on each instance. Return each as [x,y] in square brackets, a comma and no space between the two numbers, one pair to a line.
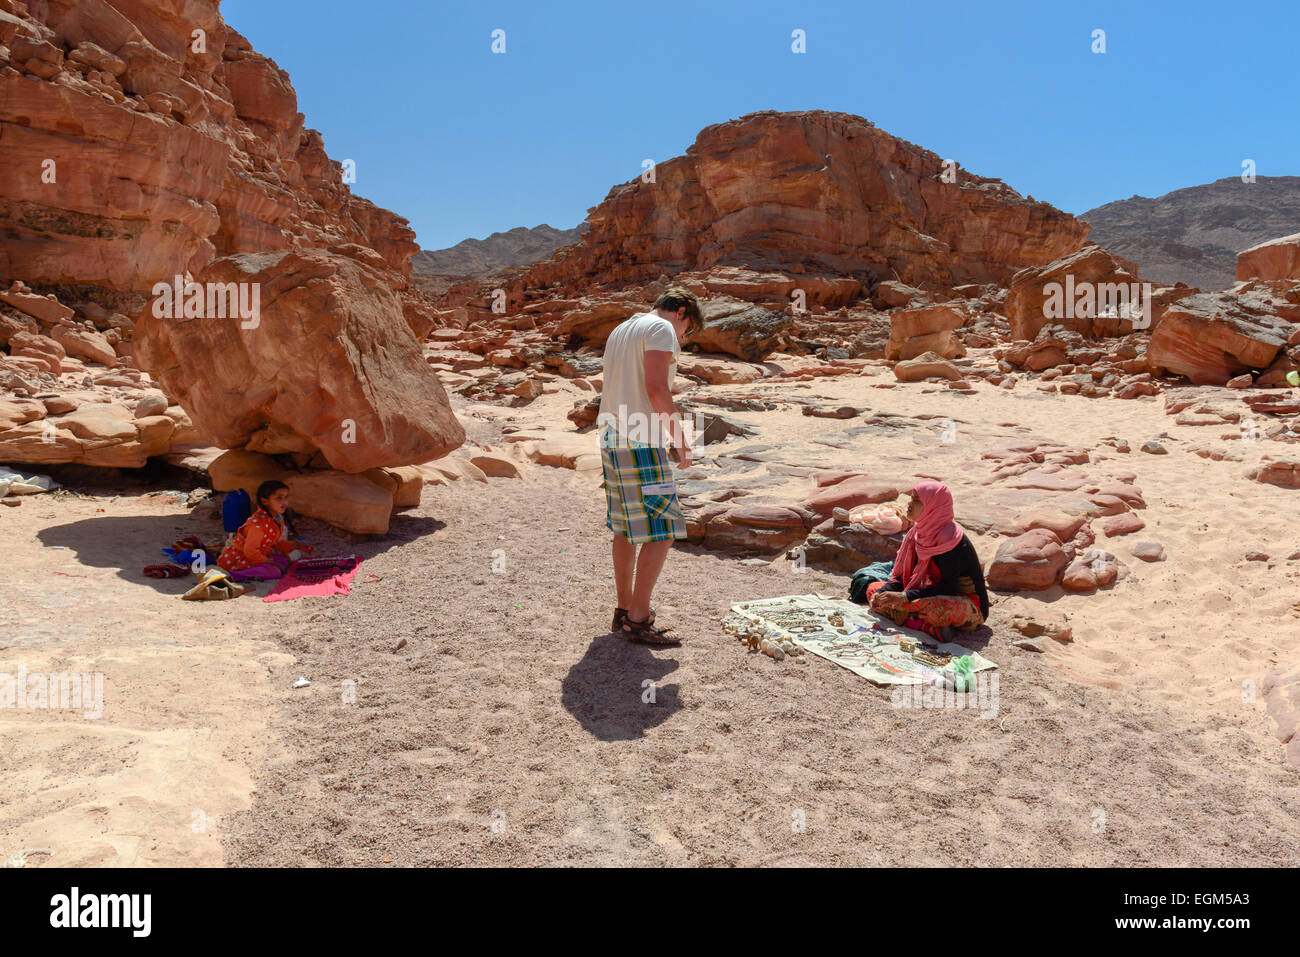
[510,728]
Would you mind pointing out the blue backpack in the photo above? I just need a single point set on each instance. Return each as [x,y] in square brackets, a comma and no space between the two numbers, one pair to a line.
[235,509]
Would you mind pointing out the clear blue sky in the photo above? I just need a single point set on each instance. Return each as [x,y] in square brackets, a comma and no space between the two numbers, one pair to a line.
[464,142]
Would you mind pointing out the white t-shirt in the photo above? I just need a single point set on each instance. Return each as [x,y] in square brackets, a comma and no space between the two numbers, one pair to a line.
[624,401]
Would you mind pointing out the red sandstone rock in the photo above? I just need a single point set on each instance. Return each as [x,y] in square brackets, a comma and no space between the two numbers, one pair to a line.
[1149,551]
[821,191]
[860,490]
[1284,473]
[165,157]
[332,366]
[1213,337]
[1124,524]
[925,366]
[927,329]
[1028,562]
[1274,259]
[1069,292]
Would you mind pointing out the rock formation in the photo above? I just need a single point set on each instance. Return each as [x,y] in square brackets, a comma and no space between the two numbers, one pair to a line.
[147,143]
[813,192]
[331,369]
[1277,259]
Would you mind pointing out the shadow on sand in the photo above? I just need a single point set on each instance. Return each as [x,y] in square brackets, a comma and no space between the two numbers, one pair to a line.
[607,694]
[130,543]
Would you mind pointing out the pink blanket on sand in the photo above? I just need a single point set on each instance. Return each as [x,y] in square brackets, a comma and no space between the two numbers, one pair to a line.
[313,584]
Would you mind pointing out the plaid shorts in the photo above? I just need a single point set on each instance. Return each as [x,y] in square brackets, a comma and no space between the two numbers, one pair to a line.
[641,494]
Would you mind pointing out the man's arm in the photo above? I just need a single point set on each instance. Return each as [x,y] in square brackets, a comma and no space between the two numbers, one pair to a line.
[659,389]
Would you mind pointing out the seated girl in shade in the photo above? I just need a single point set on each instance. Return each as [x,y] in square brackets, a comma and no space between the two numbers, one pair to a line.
[937,581]
[263,547]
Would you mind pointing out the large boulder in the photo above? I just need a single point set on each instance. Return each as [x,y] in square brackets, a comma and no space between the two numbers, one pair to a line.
[1275,259]
[351,502]
[749,334]
[1212,337]
[1029,562]
[1068,291]
[330,365]
[926,329]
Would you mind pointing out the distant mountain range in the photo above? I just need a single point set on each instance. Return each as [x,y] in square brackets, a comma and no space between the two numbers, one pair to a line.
[520,246]
[1193,235]
[1189,235]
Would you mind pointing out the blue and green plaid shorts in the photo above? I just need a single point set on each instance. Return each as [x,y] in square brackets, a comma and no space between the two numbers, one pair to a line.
[641,493]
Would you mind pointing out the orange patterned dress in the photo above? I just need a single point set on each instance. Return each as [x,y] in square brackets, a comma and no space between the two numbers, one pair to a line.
[237,556]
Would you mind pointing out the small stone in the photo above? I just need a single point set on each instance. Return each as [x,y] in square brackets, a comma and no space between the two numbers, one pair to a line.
[11,500]
[1255,555]
[1243,381]
[1028,644]
[1149,551]
[1126,523]
[1154,448]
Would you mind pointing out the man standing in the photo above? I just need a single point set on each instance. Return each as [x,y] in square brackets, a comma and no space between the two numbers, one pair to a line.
[639,424]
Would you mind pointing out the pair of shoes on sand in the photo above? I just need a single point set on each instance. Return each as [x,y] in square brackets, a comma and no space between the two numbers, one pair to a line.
[646,632]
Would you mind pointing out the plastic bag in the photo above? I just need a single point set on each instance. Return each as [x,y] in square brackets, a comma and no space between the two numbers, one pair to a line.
[959,673]
[13,482]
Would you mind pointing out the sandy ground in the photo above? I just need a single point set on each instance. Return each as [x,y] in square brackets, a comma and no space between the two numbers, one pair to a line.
[186,689]
[512,728]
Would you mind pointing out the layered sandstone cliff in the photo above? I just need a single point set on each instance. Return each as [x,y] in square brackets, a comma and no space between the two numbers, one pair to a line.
[146,142]
[815,192]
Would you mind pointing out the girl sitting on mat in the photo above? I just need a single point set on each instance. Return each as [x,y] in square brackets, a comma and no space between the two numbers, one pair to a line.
[937,581]
[264,546]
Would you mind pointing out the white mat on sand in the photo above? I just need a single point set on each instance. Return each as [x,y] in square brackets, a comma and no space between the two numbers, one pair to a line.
[865,643]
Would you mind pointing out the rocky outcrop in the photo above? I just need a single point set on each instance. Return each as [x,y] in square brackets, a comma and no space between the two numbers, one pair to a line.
[89,428]
[142,157]
[749,334]
[1284,473]
[813,191]
[1066,292]
[147,143]
[1212,337]
[925,329]
[1275,259]
[1028,562]
[330,368]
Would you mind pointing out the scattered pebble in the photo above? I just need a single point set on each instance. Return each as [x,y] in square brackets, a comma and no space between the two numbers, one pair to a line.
[1154,447]
[1149,551]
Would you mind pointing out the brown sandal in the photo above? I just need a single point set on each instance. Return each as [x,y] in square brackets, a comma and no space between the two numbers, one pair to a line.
[648,633]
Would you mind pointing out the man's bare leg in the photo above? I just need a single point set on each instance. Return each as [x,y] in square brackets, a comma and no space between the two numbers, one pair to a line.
[624,566]
[648,566]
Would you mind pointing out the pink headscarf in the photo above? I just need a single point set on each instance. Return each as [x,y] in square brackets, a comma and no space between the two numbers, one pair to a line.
[934,533]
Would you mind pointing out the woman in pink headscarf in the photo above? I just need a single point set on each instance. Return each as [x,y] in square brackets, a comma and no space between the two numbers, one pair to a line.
[937,581]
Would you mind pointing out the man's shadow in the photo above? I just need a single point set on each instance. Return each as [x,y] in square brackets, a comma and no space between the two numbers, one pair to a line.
[616,692]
